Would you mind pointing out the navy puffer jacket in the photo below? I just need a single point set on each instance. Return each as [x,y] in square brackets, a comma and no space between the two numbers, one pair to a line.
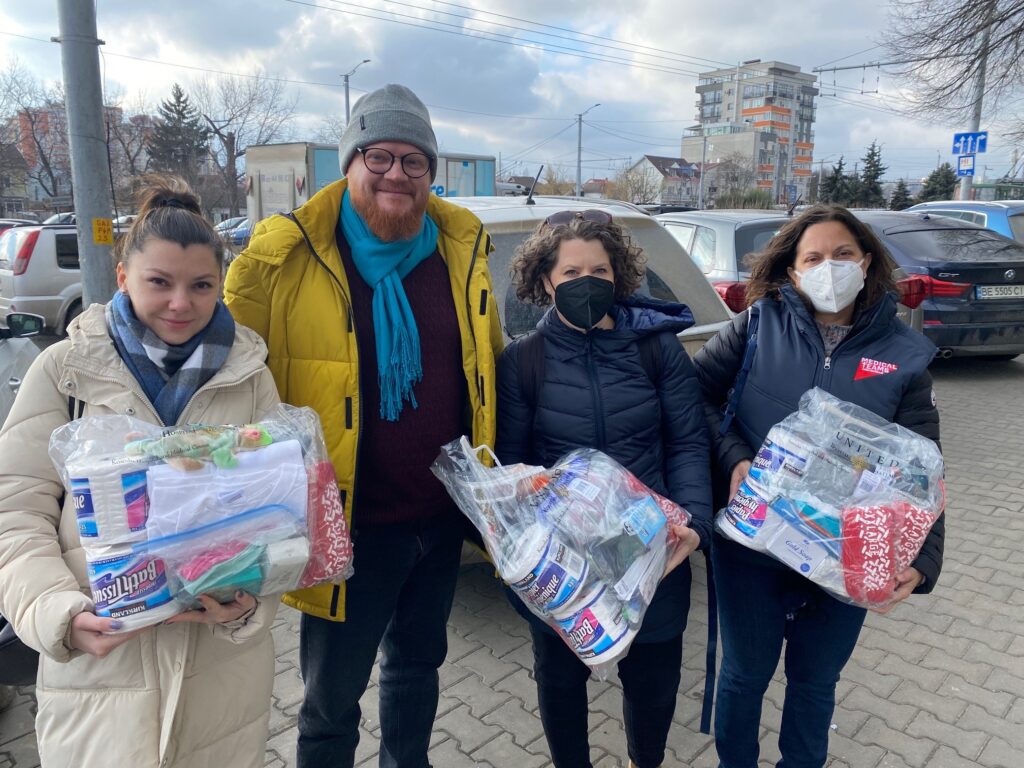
[596,394]
[790,359]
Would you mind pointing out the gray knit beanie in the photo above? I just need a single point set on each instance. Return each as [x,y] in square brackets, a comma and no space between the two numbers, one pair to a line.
[392,113]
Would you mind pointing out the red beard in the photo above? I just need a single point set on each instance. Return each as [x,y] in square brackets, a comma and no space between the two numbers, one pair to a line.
[386,225]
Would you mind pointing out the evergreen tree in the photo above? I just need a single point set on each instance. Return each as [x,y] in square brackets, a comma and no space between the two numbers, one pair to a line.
[869,190]
[180,140]
[900,197]
[940,184]
[834,186]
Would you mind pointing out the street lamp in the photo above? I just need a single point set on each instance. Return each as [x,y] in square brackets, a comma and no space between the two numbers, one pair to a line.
[579,150]
[703,160]
[346,76]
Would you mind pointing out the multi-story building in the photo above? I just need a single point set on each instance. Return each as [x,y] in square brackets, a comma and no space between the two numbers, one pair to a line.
[761,113]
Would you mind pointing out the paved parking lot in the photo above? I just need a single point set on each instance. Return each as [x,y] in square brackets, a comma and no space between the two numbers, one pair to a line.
[939,682]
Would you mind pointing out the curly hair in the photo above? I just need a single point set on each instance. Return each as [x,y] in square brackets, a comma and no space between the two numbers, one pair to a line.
[537,255]
[769,267]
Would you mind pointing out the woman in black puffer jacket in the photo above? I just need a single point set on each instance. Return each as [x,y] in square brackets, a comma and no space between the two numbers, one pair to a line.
[597,391]
[826,304]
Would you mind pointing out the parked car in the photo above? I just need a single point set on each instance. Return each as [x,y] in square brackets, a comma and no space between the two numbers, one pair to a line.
[39,273]
[6,224]
[223,227]
[968,280]
[1003,216]
[16,355]
[238,237]
[671,275]
[126,219]
[61,218]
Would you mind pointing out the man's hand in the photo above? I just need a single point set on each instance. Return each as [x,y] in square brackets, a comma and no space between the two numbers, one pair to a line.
[906,583]
[739,474]
[687,541]
[213,612]
[90,633]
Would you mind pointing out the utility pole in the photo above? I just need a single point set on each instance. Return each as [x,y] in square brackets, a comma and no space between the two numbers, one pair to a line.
[90,174]
[703,162]
[346,77]
[979,92]
[579,150]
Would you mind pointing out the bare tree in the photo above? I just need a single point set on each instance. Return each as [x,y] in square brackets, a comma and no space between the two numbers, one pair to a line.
[330,129]
[942,47]
[242,112]
[555,182]
[734,174]
[43,137]
[639,183]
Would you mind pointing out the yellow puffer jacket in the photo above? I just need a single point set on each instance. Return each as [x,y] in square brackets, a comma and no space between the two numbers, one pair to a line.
[290,287]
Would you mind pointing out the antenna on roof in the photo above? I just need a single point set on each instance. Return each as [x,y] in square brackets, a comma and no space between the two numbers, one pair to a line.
[529,197]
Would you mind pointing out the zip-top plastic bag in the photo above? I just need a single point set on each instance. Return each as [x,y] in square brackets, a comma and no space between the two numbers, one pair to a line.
[841,496]
[582,544]
[168,514]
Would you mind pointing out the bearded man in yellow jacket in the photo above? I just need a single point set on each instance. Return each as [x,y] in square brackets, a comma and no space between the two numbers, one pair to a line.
[375,301]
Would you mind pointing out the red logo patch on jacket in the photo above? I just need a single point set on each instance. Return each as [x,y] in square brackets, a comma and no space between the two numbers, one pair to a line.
[869,368]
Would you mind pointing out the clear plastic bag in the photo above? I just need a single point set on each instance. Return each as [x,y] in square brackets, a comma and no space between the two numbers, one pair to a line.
[582,544]
[166,514]
[841,496]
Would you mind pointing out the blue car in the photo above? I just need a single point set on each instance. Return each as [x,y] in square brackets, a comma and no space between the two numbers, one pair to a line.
[1003,216]
[240,235]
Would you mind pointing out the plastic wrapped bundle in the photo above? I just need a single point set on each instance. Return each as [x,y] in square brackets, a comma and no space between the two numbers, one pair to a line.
[841,496]
[168,514]
[583,544]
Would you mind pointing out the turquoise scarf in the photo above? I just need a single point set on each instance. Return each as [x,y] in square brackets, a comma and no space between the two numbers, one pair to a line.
[383,266]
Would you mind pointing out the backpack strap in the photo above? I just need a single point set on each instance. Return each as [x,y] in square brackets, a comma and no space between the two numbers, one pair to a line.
[531,367]
[650,356]
[736,392]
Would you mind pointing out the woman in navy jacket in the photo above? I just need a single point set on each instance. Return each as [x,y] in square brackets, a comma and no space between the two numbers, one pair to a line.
[597,392]
[827,318]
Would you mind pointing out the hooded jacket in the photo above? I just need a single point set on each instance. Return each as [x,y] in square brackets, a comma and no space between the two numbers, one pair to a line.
[790,359]
[185,694]
[290,286]
[596,394]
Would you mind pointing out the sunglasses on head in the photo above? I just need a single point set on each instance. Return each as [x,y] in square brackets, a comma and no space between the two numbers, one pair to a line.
[563,218]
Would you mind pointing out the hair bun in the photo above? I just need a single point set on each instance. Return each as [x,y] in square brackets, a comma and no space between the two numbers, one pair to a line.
[159,191]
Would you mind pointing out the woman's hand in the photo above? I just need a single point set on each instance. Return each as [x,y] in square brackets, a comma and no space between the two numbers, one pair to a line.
[212,612]
[906,582]
[687,540]
[90,634]
[739,474]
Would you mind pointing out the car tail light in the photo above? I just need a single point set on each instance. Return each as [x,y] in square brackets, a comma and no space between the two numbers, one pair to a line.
[912,291]
[25,252]
[734,294]
[943,289]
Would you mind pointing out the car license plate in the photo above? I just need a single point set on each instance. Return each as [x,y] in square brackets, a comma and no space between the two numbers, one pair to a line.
[999,291]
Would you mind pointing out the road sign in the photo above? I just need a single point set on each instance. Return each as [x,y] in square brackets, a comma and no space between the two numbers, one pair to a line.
[969,143]
[791,193]
[965,165]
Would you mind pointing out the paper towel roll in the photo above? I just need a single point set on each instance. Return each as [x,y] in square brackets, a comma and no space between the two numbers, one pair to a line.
[130,585]
[110,498]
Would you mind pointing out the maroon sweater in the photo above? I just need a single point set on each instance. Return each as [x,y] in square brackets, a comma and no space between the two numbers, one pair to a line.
[393,482]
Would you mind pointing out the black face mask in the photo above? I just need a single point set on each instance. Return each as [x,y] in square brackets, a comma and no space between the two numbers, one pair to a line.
[584,301]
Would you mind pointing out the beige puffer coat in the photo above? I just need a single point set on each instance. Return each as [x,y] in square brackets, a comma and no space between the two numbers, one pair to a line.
[177,695]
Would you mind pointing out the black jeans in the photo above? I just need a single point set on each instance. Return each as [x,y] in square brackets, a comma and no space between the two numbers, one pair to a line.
[760,604]
[650,674]
[399,600]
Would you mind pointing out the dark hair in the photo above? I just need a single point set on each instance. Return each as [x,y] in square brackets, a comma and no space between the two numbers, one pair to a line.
[169,210]
[769,267]
[536,257]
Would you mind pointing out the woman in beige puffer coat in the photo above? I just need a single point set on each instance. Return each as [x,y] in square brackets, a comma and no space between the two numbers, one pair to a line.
[193,692]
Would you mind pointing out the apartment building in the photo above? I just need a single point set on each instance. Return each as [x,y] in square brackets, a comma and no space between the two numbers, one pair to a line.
[761,112]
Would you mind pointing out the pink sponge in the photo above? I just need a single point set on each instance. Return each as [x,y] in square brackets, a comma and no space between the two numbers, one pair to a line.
[869,553]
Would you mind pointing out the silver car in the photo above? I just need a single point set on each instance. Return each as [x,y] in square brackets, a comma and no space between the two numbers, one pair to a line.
[671,275]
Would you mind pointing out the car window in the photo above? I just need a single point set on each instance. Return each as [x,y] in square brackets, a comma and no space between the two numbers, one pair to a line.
[703,250]
[956,245]
[67,251]
[10,242]
[1017,226]
[681,232]
[667,266]
[753,238]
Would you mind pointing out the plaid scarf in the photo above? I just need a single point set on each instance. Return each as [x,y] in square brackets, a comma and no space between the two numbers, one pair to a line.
[169,373]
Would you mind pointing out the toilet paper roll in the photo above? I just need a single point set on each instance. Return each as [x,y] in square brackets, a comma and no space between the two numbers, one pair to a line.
[110,499]
[130,585]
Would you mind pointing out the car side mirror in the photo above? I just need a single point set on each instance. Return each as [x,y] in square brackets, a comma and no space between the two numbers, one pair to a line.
[21,324]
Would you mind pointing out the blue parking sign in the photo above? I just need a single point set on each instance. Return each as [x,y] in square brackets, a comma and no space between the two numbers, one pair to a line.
[965,165]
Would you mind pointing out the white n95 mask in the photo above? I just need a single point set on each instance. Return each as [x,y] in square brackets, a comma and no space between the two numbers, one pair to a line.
[833,285]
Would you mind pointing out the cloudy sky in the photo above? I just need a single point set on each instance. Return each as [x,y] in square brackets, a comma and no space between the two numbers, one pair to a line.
[516,94]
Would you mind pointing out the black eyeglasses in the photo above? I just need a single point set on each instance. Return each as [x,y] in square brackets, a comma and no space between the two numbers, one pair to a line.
[563,218]
[380,161]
